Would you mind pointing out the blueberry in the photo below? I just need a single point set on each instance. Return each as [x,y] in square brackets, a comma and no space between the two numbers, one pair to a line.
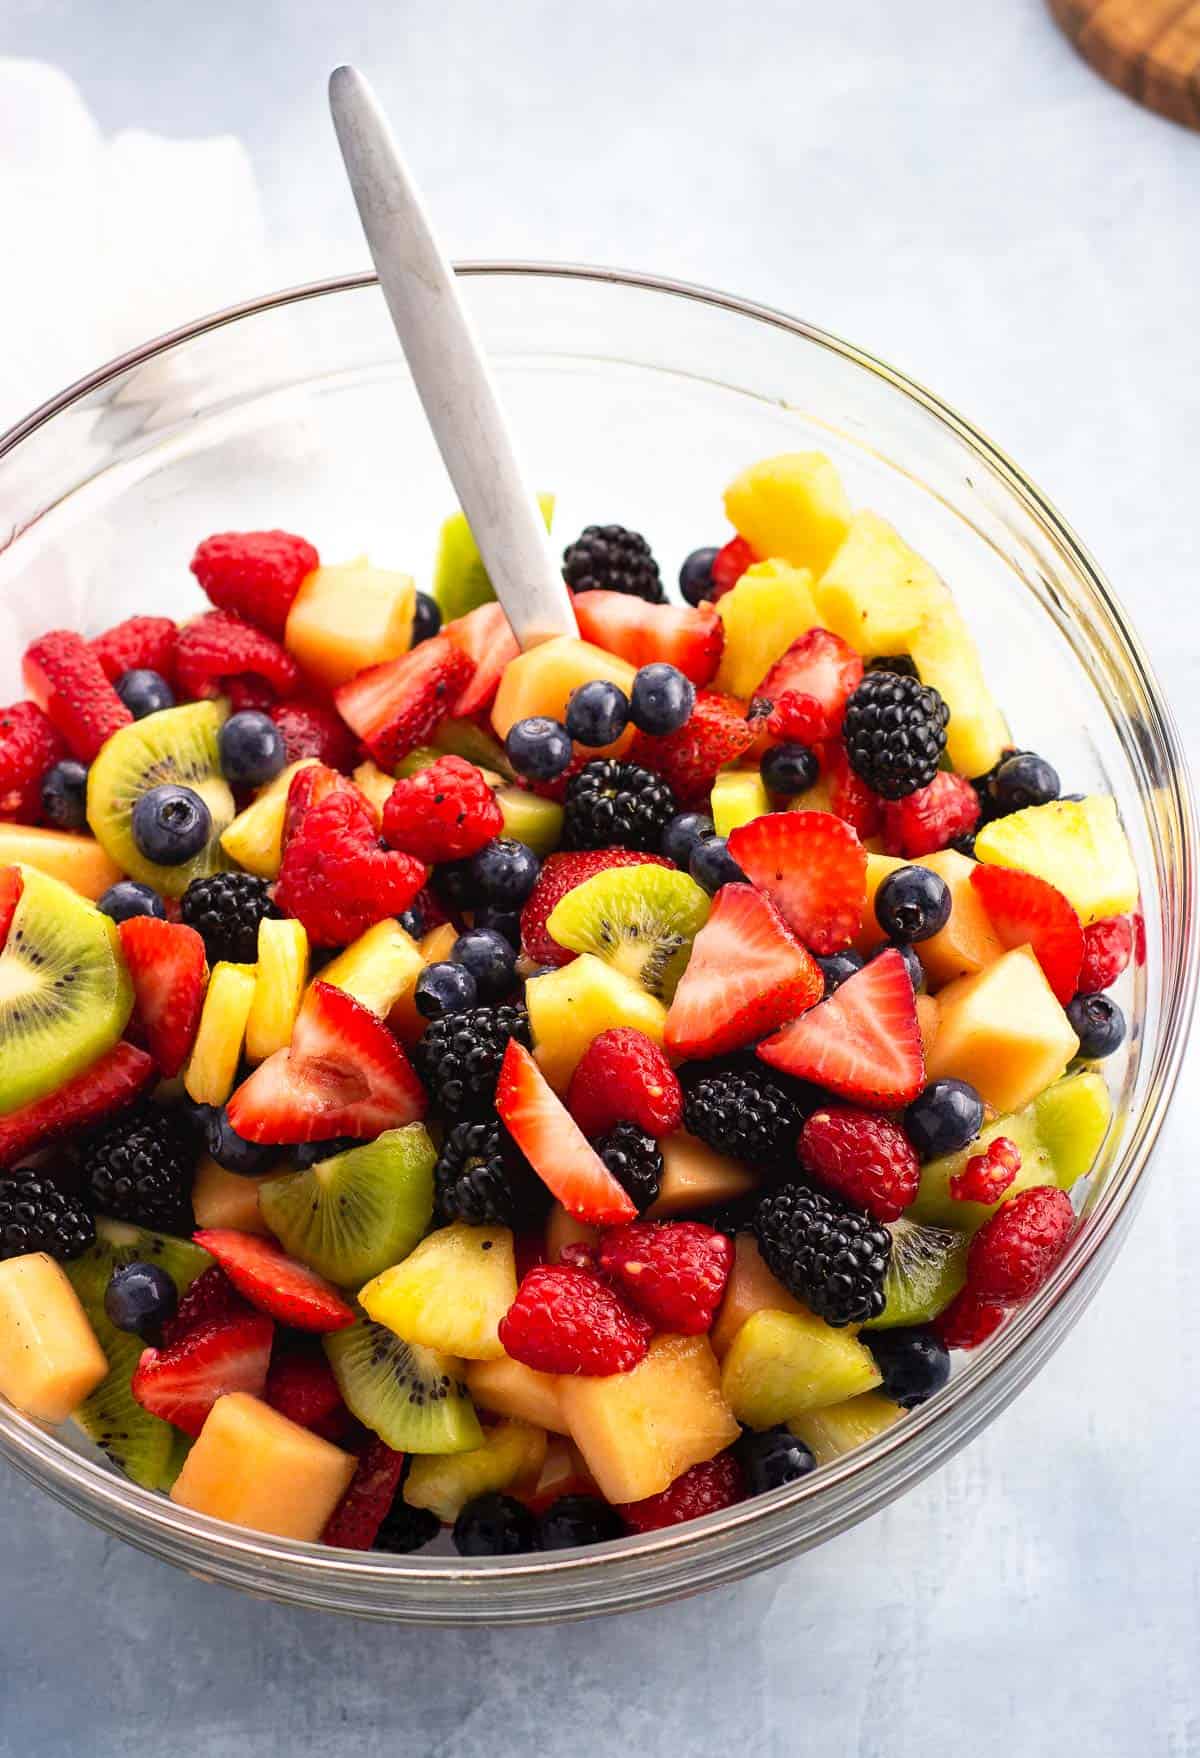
[538,747]
[575,1520]
[144,692]
[140,1298]
[427,618]
[913,1363]
[773,1458]
[64,795]
[231,1150]
[455,881]
[171,824]
[445,988]
[695,576]
[307,1153]
[789,769]
[965,845]
[912,964]
[944,1118]
[489,957]
[506,922]
[128,898]
[661,699]
[683,833]
[494,1526]
[1024,779]
[1098,1023]
[251,749]
[913,903]
[504,872]
[837,966]
[597,713]
[711,864]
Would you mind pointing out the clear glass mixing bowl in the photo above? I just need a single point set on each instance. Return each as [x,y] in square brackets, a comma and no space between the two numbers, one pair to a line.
[635,400]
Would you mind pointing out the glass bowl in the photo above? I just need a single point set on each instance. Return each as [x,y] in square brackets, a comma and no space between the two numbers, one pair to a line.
[635,400]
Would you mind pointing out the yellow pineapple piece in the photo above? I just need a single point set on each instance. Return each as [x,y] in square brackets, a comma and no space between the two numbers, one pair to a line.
[255,838]
[404,1019]
[375,783]
[450,1293]
[945,654]
[280,978]
[842,1427]
[782,1363]
[695,1177]
[563,1229]
[509,1388]
[541,680]
[253,1467]
[211,1068]
[50,1358]
[1077,845]
[876,590]
[792,506]
[738,797]
[771,606]
[382,965]
[571,1006]
[345,618]
[1003,1031]
[226,1199]
[445,1483]
[77,861]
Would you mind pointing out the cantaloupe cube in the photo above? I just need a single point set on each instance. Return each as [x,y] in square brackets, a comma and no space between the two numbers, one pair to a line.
[563,1473]
[255,838]
[751,1288]
[509,1388]
[77,861]
[876,590]
[226,1199]
[1003,1031]
[929,1016]
[571,1006]
[695,1177]
[638,1431]
[253,1467]
[793,506]
[770,607]
[563,1229]
[346,618]
[541,681]
[50,1359]
[870,933]
[968,942]
[378,968]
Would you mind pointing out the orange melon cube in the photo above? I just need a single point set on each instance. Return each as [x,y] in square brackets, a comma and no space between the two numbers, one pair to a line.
[541,682]
[695,1176]
[346,618]
[751,1288]
[1003,1031]
[968,942]
[870,933]
[563,1230]
[253,1467]
[929,1016]
[225,1199]
[77,861]
[50,1359]
[509,1388]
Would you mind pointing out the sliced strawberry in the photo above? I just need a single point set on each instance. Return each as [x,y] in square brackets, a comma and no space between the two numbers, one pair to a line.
[110,1084]
[167,963]
[554,1144]
[309,729]
[689,639]
[67,681]
[562,873]
[849,796]
[822,667]
[486,638]
[10,897]
[863,1043]
[747,976]
[396,706]
[1027,911]
[812,867]
[931,818]
[29,745]
[355,1522]
[275,1283]
[729,564]
[183,1382]
[301,1387]
[717,733]
[344,1074]
[137,644]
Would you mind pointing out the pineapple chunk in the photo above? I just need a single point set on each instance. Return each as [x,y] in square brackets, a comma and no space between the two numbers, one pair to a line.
[876,590]
[346,618]
[255,838]
[563,1473]
[563,1229]
[450,1293]
[50,1358]
[696,1177]
[792,506]
[830,1433]
[256,1468]
[226,1199]
[541,680]
[1077,845]
[375,783]
[403,1019]
[782,1363]
[738,797]
[509,1388]
[571,1006]
[1003,1031]
[77,861]
[446,1482]
[770,607]
[945,654]
[751,1288]
[281,975]
[212,1066]
[382,965]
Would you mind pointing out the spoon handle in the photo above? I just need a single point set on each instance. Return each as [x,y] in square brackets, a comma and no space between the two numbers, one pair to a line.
[449,369]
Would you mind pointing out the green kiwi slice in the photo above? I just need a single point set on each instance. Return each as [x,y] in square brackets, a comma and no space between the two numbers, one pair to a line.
[177,745]
[413,1398]
[65,994]
[460,580]
[927,1268]
[357,1213]
[641,920]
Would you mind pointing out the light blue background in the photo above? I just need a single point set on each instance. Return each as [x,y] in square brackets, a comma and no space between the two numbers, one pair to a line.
[948,184]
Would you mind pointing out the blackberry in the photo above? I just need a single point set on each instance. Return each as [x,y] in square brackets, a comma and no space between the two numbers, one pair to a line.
[635,1161]
[744,1115]
[731,1218]
[895,733]
[612,804]
[616,560]
[482,1176]
[35,1215]
[225,911]
[827,1253]
[140,1168]
[406,1529]
[459,1057]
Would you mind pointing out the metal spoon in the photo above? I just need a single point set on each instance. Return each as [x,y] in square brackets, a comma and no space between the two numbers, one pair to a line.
[449,369]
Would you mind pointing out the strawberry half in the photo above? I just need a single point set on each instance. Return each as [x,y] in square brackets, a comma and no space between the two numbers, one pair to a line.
[396,706]
[562,873]
[355,1522]
[344,1074]
[716,733]
[691,639]
[67,682]
[183,1382]
[264,1274]
[210,1297]
[812,867]
[301,1387]
[486,638]
[10,897]
[747,976]
[554,1144]
[930,819]
[167,963]
[110,1084]
[309,729]
[1027,911]
[729,564]
[863,1043]
[819,666]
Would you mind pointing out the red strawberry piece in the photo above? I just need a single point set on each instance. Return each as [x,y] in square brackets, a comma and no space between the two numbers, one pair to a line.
[443,813]
[968,1321]
[691,639]
[65,678]
[246,691]
[275,1283]
[729,564]
[849,796]
[167,963]
[110,1084]
[219,646]
[865,1158]
[986,1176]
[863,1043]
[747,975]
[29,745]
[1027,911]
[1139,938]
[562,873]
[344,1074]
[137,644]
[355,1522]
[932,818]
[181,1383]
[486,638]
[335,878]
[821,666]
[309,729]
[1014,1252]
[255,574]
[554,1144]
[567,1321]
[211,1296]
[10,897]
[716,733]
[673,1271]
[396,706]
[812,867]
[301,1386]
[1107,949]
[623,1077]
[705,1489]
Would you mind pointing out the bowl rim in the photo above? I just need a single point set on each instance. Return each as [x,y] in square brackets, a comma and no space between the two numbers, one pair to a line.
[659,1564]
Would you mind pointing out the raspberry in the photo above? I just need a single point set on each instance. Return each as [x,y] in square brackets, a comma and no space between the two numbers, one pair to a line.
[931,818]
[137,644]
[1013,1253]
[336,879]
[865,1158]
[673,1271]
[624,1077]
[717,733]
[255,574]
[968,1321]
[218,646]
[986,1176]
[561,873]
[443,813]
[311,730]
[65,678]
[29,745]
[1107,948]
[567,1321]
[793,715]
[729,564]
[705,1489]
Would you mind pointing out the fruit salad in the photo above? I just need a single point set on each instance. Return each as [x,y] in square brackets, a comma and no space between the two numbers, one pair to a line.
[544,1095]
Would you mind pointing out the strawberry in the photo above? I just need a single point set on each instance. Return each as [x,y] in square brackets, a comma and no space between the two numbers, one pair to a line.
[865,1158]
[334,876]
[554,1144]
[812,867]
[691,639]
[276,1284]
[167,963]
[211,1296]
[566,1320]
[10,897]
[355,1522]
[717,733]
[1027,911]
[968,1321]
[109,1085]
[674,1272]
[932,818]
[65,678]
[486,638]
[819,666]
[301,1386]
[562,873]
[849,796]
[729,564]
[29,745]
[344,1074]
[623,1077]
[863,1043]
[181,1383]
[443,813]
[256,574]
[705,1489]
[396,706]
[1107,948]
[747,976]
[219,646]
[309,729]
[137,644]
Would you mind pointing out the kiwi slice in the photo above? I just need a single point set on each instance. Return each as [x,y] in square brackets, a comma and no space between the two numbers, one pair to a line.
[474,744]
[927,1268]
[529,819]
[641,920]
[460,580]
[178,745]
[414,1399]
[357,1213]
[65,994]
